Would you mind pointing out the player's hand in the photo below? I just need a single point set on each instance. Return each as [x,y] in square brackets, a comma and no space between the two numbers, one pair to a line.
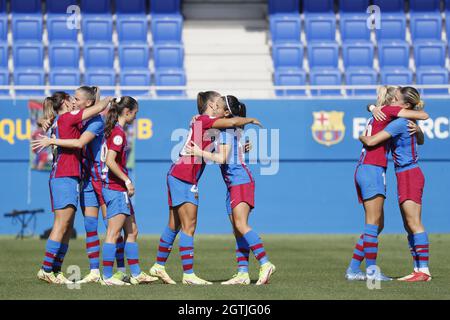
[413,128]
[130,189]
[256,122]
[194,118]
[248,146]
[193,150]
[378,114]
[45,124]
[41,143]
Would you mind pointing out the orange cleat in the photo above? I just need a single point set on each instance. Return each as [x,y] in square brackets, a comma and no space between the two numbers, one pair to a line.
[419,277]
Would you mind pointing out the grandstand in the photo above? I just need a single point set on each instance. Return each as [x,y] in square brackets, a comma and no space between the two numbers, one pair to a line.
[254,48]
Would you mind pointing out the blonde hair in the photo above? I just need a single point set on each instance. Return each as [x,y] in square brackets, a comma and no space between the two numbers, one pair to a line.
[412,96]
[385,95]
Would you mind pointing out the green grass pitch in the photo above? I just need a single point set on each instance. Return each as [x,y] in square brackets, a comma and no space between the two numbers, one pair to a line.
[308,267]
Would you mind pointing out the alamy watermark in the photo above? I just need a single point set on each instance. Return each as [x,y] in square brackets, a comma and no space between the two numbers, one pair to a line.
[374,20]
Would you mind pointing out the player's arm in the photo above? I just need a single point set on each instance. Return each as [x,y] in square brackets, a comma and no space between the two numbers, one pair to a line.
[114,167]
[225,123]
[218,157]
[414,128]
[96,109]
[45,141]
[377,112]
[371,141]
[413,114]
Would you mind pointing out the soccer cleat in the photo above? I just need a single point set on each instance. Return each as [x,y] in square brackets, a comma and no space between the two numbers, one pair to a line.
[92,277]
[192,279]
[377,276]
[113,282]
[48,277]
[265,272]
[407,277]
[159,271]
[122,276]
[351,275]
[142,278]
[241,278]
[63,280]
[419,277]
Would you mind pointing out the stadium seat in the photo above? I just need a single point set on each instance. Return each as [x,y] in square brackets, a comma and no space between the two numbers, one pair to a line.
[64,55]
[354,27]
[3,55]
[3,27]
[290,77]
[132,28]
[393,27]
[284,7]
[424,6]
[324,55]
[318,6]
[430,54]
[4,81]
[447,6]
[135,78]
[29,77]
[167,28]
[396,76]
[28,55]
[97,28]
[287,55]
[97,6]
[393,54]
[64,77]
[101,77]
[131,6]
[358,54]
[432,76]
[58,31]
[134,56]
[27,27]
[170,77]
[325,77]
[165,7]
[168,56]
[99,55]
[59,6]
[353,6]
[26,6]
[361,76]
[285,28]
[320,28]
[2,5]
[426,26]
[397,6]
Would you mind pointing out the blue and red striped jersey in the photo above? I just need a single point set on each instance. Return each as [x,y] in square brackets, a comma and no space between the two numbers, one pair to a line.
[91,156]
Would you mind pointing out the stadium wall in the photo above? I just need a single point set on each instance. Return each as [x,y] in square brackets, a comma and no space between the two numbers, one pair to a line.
[310,191]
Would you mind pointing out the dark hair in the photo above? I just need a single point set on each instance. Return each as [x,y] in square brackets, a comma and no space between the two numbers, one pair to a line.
[234,106]
[412,96]
[203,98]
[52,105]
[118,105]
[90,93]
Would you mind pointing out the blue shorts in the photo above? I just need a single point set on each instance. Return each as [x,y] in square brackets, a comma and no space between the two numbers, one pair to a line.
[117,202]
[91,194]
[180,192]
[370,181]
[64,192]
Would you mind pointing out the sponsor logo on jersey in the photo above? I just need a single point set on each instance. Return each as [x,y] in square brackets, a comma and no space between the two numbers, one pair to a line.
[328,127]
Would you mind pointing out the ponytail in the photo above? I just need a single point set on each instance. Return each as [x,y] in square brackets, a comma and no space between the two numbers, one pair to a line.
[52,105]
[91,93]
[234,106]
[203,98]
[118,105]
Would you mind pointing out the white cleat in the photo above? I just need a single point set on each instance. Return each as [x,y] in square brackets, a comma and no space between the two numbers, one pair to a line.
[159,271]
[63,280]
[192,279]
[265,272]
[113,282]
[142,278]
[351,275]
[48,277]
[240,278]
[92,277]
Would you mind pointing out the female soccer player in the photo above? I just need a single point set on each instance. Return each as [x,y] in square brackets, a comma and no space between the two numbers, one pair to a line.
[117,191]
[182,180]
[410,179]
[91,197]
[240,198]
[370,183]
[64,180]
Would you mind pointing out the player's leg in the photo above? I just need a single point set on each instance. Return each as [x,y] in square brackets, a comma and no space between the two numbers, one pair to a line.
[412,249]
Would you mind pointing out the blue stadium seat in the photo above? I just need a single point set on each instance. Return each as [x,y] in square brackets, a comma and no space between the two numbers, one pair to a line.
[432,76]
[64,55]
[4,81]
[3,27]
[3,55]
[2,5]
[396,76]
[57,29]
[359,7]
[393,27]
[28,55]
[324,55]
[430,54]
[26,6]
[424,6]
[97,28]
[320,28]
[29,77]
[27,27]
[131,6]
[393,54]
[426,26]
[354,27]
[290,77]
[165,7]
[135,78]
[284,7]
[447,5]
[64,77]
[390,5]
[170,77]
[134,56]
[167,28]
[101,77]
[99,55]
[318,6]
[59,6]
[358,54]
[132,28]
[285,28]
[287,55]
[168,56]
[361,76]
[97,6]
[325,77]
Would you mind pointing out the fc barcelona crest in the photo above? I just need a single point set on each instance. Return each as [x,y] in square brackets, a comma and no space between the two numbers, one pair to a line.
[328,127]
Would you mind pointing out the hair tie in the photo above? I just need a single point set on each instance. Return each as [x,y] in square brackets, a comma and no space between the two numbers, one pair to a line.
[117,100]
[228,106]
